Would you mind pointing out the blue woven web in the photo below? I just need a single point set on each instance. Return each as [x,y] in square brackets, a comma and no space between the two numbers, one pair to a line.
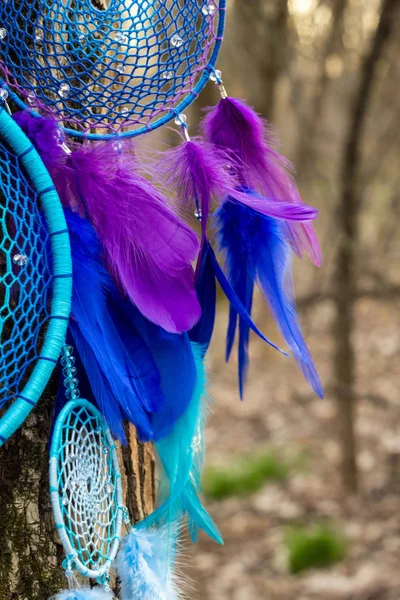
[130,65]
[25,277]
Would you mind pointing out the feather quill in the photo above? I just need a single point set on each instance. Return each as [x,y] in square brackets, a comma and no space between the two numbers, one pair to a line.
[236,129]
[257,248]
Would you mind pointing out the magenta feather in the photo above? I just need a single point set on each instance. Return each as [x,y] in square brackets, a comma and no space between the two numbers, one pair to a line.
[236,129]
[148,249]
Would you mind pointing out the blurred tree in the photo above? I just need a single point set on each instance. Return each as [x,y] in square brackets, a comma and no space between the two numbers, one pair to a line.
[346,276]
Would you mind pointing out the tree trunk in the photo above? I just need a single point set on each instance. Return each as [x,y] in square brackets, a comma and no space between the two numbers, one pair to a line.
[346,277]
[31,554]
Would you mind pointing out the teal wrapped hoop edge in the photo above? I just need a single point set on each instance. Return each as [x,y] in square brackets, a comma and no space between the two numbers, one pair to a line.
[17,141]
[185,103]
[71,553]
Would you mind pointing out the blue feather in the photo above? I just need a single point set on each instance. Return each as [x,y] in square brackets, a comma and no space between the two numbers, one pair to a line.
[145,565]
[173,356]
[122,374]
[257,248]
[207,294]
[182,458]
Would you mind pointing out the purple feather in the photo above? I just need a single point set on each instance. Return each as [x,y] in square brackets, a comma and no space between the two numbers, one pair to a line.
[235,128]
[148,249]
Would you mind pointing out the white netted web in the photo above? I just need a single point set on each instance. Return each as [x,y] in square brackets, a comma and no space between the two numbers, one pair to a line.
[88,488]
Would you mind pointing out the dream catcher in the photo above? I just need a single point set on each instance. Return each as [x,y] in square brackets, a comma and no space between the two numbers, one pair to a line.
[89,76]
[35,276]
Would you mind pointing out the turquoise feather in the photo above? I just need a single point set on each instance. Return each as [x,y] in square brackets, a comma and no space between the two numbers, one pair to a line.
[182,456]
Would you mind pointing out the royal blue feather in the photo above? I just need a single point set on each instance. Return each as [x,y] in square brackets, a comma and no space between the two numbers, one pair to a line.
[173,356]
[206,290]
[256,248]
[123,376]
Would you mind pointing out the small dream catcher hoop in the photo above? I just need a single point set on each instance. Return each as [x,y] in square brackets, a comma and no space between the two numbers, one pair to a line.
[35,283]
[85,487]
[126,69]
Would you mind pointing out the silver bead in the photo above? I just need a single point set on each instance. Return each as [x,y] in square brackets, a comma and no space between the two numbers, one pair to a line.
[81,38]
[209,9]
[64,90]
[109,488]
[198,214]
[38,36]
[65,500]
[181,119]
[167,75]
[31,98]
[121,68]
[20,259]
[3,95]
[216,76]
[121,37]
[176,41]
[3,33]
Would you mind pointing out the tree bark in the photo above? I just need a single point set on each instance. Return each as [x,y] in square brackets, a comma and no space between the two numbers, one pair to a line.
[31,554]
[345,281]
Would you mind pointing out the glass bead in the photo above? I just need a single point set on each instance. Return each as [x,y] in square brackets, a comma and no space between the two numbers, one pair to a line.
[64,90]
[39,36]
[3,95]
[167,75]
[31,98]
[121,37]
[20,259]
[106,450]
[198,214]
[74,486]
[69,371]
[216,76]
[81,38]
[124,110]
[71,382]
[121,68]
[109,488]
[68,350]
[117,145]
[65,500]
[3,33]
[209,9]
[181,119]
[68,361]
[176,41]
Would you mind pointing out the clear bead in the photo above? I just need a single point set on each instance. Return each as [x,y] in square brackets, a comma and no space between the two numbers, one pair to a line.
[3,33]
[68,350]
[81,38]
[71,382]
[121,37]
[64,90]
[39,36]
[167,75]
[68,361]
[181,119]
[124,110]
[74,486]
[69,371]
[176,41]
[198,214]
[117,145]
[20,259]
[209,9]
[3,95]
[109,488]
[121,68]
[31,98]
[106,450]
[216,76]
[65,500]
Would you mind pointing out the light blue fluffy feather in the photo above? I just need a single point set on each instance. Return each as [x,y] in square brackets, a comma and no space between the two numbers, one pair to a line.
[145,565]
[96,593]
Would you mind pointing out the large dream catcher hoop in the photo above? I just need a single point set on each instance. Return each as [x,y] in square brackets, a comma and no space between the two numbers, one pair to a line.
[87,76]
[35,268]
[127,68]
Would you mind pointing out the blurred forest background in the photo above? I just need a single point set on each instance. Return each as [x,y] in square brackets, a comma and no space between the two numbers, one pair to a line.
[297,483]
